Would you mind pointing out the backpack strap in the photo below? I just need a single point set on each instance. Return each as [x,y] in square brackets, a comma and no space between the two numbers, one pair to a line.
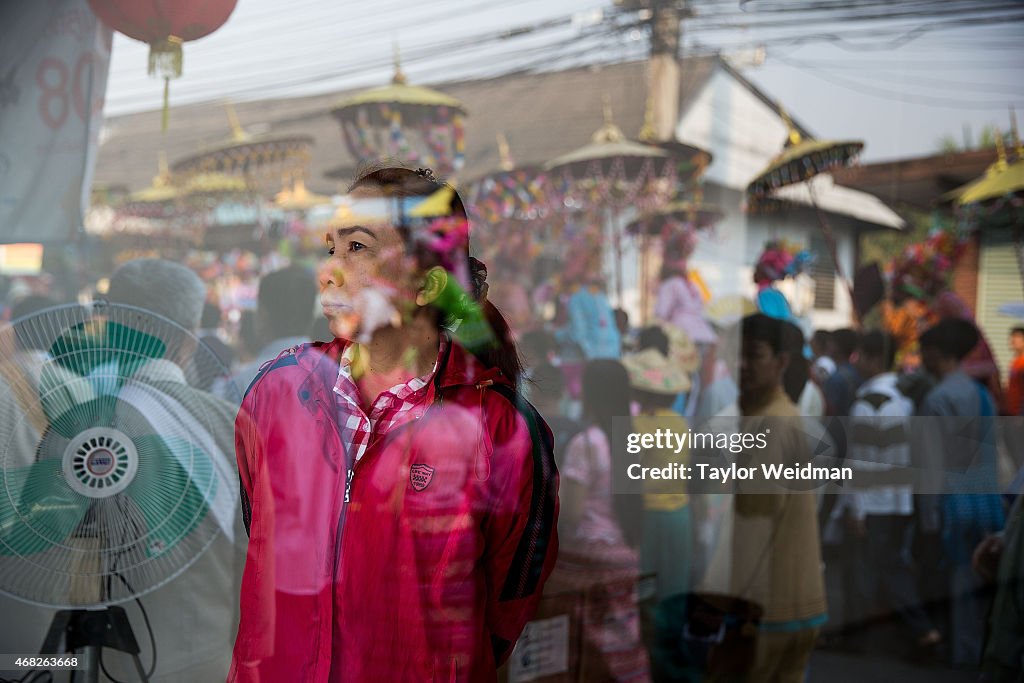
[528,562]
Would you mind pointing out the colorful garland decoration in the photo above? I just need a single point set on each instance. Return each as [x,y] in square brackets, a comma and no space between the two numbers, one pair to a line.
[922,271]
[780,260]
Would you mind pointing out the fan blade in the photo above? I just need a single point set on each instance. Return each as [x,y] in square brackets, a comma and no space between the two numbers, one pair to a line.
[132,348]
[62,391]
[172,487]
[97,412]
[37,508]
[108,354]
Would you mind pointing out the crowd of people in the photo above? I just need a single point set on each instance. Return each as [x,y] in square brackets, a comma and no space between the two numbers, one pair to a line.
[675,584]
[897,567]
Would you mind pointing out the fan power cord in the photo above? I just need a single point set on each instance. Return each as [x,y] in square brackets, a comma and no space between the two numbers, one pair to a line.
[149,629]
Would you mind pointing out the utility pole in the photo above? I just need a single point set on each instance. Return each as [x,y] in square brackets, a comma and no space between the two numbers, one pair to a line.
[663,67]
[664,19]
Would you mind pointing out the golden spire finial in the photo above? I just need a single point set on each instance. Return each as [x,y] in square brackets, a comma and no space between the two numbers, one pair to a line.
[608,132]
[163,173]
[647,133]
[504,154]
[794,137]
[399,77]
[1001,163]
[238,133]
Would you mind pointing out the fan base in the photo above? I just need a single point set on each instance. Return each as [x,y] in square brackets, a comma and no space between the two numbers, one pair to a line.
[92,630]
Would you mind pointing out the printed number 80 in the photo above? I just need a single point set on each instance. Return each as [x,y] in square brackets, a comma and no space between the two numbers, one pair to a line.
[52,78]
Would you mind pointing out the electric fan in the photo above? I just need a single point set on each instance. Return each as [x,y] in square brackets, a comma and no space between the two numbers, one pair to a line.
[113,475]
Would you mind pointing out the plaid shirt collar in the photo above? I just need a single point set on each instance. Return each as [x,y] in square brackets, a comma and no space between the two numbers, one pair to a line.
[398,405]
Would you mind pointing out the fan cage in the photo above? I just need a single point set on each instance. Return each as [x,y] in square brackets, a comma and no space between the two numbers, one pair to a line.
[112,552]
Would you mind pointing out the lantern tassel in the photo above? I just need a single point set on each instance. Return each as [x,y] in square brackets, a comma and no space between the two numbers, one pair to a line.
[165,61]
[166,114]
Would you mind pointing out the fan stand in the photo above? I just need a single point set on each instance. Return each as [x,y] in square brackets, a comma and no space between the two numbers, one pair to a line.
[92,630]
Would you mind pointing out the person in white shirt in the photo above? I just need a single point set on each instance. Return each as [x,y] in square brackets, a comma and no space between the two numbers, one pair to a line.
[823,365]
[882,516]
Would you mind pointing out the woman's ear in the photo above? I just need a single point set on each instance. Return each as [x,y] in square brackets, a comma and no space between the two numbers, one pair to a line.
[434,283]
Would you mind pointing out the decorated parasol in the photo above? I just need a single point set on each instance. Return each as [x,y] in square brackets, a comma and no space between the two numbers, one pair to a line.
[997,197]
[614,173]
[678,223]
[510,193]
[690,161]
[676,216]
[204,185]
[157,200]
[155,209]
[263,162]
[417,125]
[798,162]
[155,217]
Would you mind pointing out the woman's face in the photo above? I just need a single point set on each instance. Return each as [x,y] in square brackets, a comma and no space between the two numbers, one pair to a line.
[368,281]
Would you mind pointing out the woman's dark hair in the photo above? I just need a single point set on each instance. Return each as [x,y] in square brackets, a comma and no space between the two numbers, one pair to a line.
[605,397]
[398,181]
[798,370]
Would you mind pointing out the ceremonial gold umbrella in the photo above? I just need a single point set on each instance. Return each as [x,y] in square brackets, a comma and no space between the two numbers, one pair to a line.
[417,125]
[799,161]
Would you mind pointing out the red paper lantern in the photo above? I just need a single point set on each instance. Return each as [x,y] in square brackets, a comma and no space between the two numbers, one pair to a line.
[164,26]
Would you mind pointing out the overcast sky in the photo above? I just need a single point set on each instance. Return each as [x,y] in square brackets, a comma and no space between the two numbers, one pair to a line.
[900,86]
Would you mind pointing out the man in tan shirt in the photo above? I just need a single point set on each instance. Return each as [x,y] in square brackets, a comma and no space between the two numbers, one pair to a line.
[776,547]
